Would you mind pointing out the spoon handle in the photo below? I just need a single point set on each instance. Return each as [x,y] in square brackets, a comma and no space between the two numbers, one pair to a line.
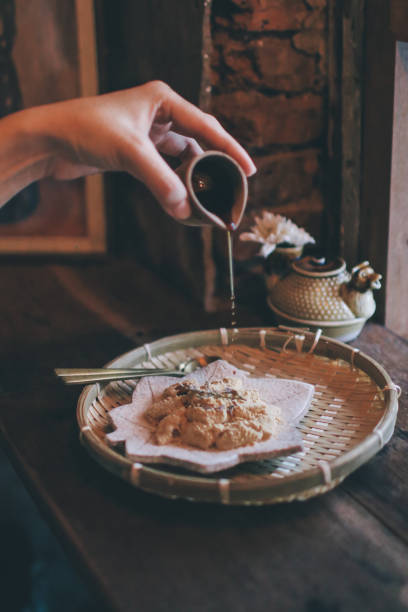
[93,378]
[66,372]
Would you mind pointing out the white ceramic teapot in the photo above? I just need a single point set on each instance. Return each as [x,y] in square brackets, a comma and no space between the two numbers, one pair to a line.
[316,293]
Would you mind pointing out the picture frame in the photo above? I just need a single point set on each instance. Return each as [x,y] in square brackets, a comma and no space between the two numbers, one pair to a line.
[53,57]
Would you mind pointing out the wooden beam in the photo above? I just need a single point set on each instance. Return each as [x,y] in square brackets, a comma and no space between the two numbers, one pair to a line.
[351,108]
[377,139]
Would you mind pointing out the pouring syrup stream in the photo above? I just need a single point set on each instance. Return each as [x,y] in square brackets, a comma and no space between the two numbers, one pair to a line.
[230,228]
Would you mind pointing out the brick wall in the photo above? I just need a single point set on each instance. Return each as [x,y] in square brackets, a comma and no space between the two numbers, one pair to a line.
[269,88]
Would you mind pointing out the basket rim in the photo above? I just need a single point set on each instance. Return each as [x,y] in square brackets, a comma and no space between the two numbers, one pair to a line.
[260,489]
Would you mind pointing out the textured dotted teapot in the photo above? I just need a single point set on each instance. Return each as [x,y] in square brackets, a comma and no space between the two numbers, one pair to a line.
[316,293]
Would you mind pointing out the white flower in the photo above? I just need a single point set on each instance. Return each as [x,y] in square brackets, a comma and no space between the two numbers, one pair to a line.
[271,230]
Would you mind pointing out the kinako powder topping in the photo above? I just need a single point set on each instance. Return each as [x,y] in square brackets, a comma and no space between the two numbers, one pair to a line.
[221,415]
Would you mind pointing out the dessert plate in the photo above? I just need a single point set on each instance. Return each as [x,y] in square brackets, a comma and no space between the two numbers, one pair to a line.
[133,431]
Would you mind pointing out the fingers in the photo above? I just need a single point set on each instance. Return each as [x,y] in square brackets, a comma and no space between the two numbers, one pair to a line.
[191,121]
[146,164]
[180,146]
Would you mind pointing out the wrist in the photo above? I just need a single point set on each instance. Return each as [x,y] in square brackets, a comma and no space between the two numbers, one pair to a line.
[23,142]
[31,137]
[26,150]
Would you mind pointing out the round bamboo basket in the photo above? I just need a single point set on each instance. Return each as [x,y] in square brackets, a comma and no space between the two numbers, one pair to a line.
[352,415]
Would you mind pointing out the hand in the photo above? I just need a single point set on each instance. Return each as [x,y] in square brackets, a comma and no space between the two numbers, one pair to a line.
[127,131]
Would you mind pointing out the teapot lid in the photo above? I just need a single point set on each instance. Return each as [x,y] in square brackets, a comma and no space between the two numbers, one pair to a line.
[319,267]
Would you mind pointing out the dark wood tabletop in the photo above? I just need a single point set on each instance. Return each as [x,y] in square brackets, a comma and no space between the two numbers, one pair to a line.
[346,550]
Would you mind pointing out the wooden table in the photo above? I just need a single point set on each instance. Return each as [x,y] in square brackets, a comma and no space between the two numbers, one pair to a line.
[344,551]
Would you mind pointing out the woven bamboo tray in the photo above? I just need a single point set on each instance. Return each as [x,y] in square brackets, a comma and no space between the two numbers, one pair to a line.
[352,415]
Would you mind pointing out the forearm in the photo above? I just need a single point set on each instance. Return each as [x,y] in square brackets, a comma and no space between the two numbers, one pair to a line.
[25,151]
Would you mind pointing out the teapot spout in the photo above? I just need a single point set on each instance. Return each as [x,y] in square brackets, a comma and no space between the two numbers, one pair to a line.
[358,294]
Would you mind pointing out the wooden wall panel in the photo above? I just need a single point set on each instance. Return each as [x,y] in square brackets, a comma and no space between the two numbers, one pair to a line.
[399,19]
[142,41]
[384,222]
[396,283]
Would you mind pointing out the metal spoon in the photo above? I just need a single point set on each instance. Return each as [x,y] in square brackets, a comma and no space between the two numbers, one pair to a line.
[74,376]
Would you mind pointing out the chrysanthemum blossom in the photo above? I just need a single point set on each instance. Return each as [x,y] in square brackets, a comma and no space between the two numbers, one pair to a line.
[270,230]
